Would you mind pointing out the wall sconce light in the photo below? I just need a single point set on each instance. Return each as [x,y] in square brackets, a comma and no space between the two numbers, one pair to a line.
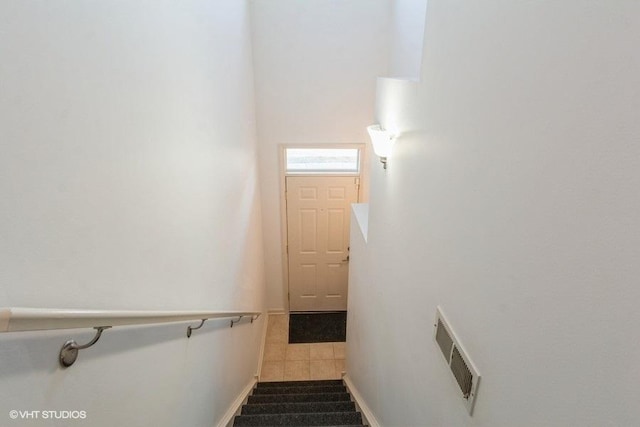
[382,140]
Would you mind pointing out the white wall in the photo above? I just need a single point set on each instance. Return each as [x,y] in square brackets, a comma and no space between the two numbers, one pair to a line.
[511,200]
[316,63]
[407,36]
[128,178]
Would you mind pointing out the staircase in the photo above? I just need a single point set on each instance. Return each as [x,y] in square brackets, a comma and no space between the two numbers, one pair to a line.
[299,403]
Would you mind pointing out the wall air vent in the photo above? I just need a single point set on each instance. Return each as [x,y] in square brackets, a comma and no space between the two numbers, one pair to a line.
[463,370]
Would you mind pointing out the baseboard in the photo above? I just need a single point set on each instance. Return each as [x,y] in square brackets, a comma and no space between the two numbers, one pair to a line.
[236,406]
[265,324]
[367,414]
[277,311]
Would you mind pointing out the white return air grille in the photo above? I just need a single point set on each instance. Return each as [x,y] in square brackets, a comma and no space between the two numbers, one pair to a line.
[463,370]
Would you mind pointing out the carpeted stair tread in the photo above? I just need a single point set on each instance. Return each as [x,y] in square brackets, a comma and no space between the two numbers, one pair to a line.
[314,383]
[288,408]
[299,403]
[299,397]
[305,419]
[300,389]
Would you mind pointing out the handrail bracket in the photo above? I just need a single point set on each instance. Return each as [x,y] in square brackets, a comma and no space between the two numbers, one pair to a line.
[70,349]
[193,328]
[236,321]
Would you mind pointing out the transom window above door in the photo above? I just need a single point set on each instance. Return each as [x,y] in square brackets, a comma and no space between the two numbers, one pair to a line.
[322,160]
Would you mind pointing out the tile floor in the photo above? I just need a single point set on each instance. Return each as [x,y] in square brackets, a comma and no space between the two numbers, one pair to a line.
[297,362]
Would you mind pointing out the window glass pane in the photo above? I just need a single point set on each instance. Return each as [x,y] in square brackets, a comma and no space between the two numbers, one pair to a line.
[322,159]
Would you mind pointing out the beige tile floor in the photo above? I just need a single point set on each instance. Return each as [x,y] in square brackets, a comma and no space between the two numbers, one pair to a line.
[297,362]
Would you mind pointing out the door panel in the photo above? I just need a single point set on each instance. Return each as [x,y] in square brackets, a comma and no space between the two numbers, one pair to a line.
[335,234]
[308,222]
[318,216]
[309,273]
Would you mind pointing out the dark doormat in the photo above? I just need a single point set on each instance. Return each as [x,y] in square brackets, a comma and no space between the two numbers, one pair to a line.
[318,327]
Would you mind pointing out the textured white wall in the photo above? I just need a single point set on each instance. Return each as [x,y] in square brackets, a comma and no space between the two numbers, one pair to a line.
[128,178]
[316,63]
[511,200]
[407,36]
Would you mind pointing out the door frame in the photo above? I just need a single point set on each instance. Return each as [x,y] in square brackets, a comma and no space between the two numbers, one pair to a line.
[284,235]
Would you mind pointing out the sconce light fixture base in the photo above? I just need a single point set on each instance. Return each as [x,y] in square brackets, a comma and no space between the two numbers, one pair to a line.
[382,142]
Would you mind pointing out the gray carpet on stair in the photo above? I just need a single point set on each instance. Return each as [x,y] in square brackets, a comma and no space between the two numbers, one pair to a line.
[297,407]
[313,397]
[299,403]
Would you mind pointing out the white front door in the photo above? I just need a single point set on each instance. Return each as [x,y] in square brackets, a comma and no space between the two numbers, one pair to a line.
[318,215]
